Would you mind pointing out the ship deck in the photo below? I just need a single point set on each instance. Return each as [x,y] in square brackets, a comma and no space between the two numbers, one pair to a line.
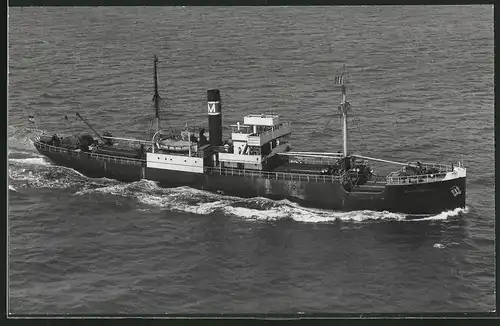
[289,171]
[304,168]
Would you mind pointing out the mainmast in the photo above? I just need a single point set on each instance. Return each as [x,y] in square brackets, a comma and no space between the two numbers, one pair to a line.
[156,96]
[343,107]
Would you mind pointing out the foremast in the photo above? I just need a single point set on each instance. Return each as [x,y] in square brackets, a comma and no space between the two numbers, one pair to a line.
[343,108]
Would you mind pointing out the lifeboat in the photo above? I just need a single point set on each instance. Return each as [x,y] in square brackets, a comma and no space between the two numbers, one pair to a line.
[173,145]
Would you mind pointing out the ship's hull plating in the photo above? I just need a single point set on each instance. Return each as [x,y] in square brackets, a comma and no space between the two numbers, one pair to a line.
[423,198]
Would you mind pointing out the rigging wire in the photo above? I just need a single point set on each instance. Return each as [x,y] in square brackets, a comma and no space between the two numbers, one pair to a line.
[161,100]
[363,143]
[323,129]
[150,121]
[172,131]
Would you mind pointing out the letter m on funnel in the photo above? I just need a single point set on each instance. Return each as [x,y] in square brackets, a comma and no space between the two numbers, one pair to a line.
[214,108]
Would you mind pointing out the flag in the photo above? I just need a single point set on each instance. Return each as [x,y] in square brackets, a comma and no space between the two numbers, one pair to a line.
[340,80]
[31,118]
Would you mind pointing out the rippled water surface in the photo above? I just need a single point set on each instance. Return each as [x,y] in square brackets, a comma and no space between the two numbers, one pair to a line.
[421,87]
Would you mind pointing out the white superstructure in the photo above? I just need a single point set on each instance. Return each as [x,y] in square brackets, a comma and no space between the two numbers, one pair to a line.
[260,137]
[174,162]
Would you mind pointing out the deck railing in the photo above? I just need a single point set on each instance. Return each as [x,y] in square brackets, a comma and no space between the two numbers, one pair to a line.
[396,178]
[105,157]
[248,129]
[393,178]
[378,178]
[274,175]
[441,167]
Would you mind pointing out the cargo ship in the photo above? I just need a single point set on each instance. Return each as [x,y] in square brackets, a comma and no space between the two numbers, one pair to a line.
[258,161]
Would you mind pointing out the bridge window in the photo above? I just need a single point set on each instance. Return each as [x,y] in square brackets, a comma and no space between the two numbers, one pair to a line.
[254,150]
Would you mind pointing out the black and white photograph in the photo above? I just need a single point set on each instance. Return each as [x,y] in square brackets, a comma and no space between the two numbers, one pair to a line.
[293,160]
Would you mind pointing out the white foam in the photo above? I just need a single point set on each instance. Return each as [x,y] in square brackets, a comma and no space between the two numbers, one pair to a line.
[11,187]
[72,171]
[42,161]
[37,173]
[438,246]
[152,200]
[192,192]
[37,180]
[23,152]
[135,189]
[202,209]
[31,161]
[21,138]
[255,214]
[288,210]
[443,215]
[201,202]
[112,190]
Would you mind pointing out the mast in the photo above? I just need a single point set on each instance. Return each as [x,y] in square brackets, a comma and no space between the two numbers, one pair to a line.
[344,116]
[156,96]
[343,107]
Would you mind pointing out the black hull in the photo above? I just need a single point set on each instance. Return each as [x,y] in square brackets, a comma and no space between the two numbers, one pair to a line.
[423,198]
